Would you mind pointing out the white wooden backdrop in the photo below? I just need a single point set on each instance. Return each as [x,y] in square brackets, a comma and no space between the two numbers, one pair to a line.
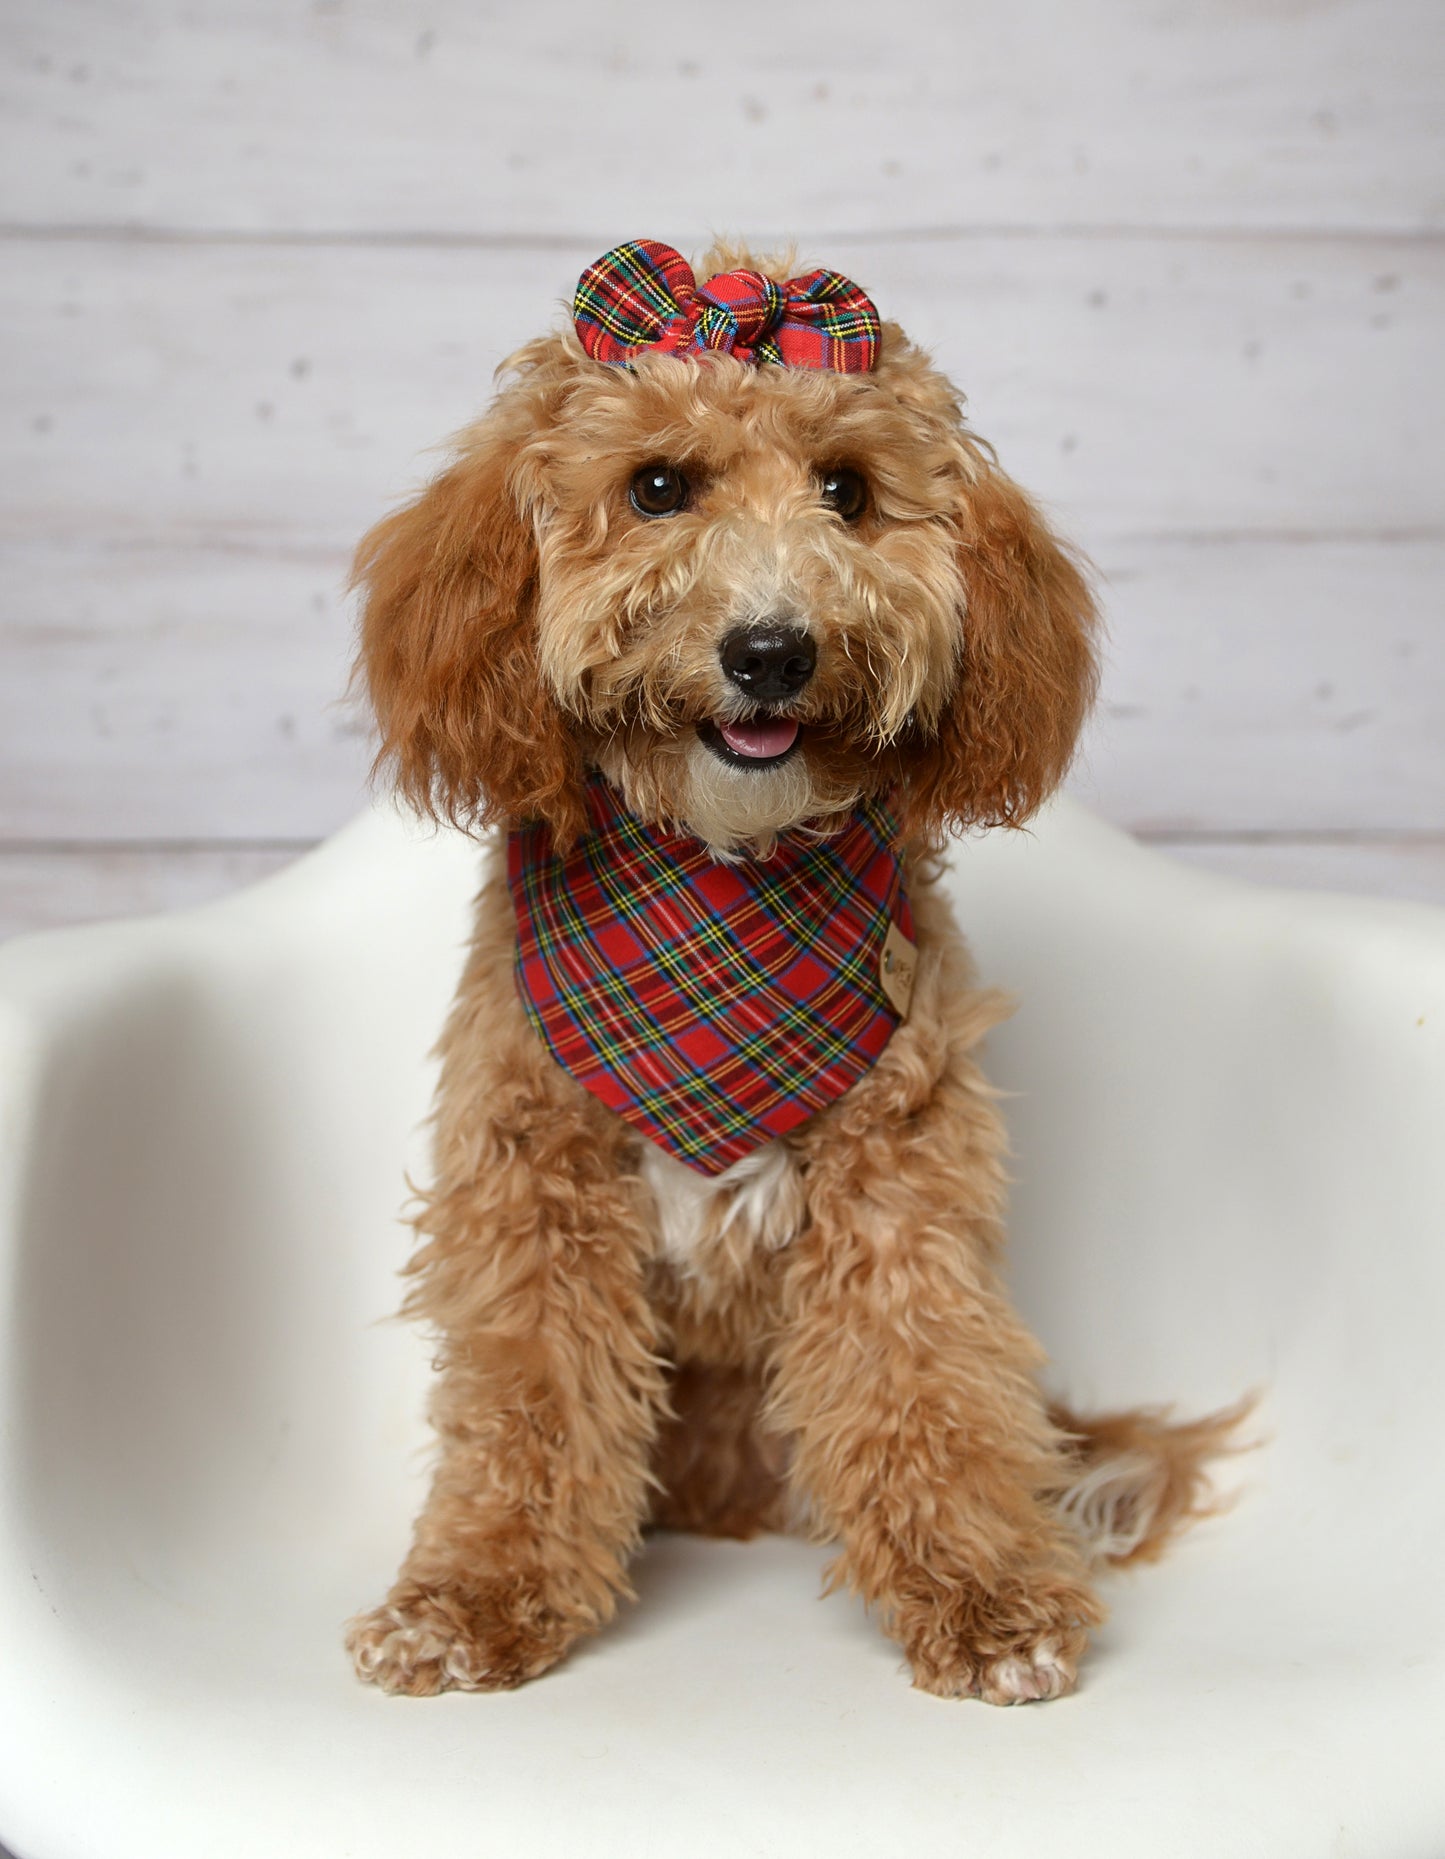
[1187,258]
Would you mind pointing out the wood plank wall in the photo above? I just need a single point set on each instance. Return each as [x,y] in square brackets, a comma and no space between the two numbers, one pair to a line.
[1186,259]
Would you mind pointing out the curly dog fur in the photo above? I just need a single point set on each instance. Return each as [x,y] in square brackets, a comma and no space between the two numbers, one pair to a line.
[818,1338]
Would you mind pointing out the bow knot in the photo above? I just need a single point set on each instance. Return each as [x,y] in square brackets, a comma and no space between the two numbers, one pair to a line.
[643,295]
[736,311]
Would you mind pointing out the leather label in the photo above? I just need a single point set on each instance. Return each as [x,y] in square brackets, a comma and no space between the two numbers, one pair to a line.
[896,968]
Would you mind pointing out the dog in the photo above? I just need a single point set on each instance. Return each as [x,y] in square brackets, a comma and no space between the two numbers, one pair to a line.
[727,616]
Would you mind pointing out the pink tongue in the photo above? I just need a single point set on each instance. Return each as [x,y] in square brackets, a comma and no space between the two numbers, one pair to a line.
[760,740]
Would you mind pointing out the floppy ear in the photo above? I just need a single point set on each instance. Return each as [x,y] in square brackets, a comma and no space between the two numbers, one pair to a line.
[1026,672]
[449,654]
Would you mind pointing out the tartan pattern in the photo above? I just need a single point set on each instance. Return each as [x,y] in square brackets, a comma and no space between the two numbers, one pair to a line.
[643,295]
[712,1004]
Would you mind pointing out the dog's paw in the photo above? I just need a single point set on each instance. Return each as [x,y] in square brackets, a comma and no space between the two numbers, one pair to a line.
[1029,1677]
[1030,1674]
[1021,1645]
[428,1639]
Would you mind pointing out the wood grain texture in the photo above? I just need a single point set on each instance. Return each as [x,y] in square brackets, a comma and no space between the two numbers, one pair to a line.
[46,887]
[285,393]
[195,446]
[168,691]
[1258,684]
[158,691]
[1187,260]
[603,123]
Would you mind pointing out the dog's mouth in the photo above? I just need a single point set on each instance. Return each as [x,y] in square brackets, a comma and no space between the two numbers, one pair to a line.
[760,742]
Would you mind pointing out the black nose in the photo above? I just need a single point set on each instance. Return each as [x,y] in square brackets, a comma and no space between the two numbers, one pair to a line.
[768,660]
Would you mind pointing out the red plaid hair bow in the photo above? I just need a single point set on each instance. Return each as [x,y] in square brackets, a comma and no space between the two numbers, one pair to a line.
[643,295]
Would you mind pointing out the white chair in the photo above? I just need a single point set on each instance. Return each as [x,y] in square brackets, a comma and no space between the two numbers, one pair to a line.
[1229,1118]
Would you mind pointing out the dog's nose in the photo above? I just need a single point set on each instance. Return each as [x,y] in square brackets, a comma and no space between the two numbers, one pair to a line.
[769,660]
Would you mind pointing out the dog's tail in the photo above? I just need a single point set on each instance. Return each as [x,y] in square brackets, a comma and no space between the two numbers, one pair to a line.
[1139,1478]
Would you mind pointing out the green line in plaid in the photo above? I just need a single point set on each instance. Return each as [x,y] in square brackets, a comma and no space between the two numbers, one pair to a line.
[832,898]
[789,1046]
[780,1049]
[771,891]
[771,895]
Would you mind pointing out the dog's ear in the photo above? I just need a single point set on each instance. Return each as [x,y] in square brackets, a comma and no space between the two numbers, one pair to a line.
[1026,670]
[448,653]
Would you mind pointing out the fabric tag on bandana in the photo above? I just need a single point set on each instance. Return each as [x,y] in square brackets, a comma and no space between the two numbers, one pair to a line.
[896,968]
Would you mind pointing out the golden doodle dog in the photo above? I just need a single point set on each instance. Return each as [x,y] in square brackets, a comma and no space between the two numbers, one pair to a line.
[727,616]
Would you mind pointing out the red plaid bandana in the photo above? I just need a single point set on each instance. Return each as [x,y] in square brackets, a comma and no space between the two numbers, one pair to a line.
[712,1005]
[643,295]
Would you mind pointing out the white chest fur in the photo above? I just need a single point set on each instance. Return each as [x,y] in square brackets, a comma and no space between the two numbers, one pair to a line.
[757,1202]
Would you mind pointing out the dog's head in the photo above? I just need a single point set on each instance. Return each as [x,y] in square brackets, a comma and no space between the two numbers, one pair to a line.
[750,595]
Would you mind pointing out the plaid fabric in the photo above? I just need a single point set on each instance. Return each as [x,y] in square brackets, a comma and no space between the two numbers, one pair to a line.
[712,1005]
[643,295]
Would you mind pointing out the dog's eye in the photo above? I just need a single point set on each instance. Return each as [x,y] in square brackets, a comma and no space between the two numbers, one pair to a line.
[659,490]
[844,491]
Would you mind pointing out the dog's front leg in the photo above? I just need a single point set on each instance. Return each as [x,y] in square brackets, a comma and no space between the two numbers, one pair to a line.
[908,1387]
[550,1390]
[546,1410]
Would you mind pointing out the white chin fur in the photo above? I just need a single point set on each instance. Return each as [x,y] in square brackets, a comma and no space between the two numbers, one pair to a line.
[728,806]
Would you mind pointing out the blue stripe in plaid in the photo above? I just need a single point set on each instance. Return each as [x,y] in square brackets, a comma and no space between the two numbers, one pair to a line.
[713,1005]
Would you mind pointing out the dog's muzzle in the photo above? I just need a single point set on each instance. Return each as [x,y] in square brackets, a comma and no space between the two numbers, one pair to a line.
[768,661]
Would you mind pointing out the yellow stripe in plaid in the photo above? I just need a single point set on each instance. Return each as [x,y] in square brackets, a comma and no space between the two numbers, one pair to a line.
[713,1005]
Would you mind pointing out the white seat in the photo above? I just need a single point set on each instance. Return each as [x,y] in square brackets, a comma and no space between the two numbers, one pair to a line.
[1230,1131]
